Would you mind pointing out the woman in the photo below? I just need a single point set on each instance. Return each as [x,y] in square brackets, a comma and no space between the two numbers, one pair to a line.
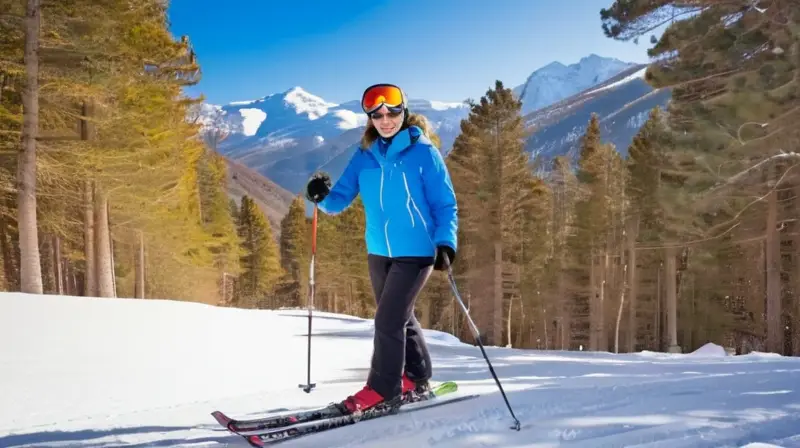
[411,226]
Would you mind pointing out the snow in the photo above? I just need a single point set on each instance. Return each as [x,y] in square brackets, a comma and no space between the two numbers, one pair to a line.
[242,103]
[711,350]
[305,103]
[441,105]
[635,75]
[85,372]
[251,120]
[349,119]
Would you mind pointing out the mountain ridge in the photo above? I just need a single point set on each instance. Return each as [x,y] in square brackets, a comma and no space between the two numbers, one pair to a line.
[287,135]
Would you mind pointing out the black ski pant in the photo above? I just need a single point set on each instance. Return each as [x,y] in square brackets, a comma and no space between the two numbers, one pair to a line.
[399,345]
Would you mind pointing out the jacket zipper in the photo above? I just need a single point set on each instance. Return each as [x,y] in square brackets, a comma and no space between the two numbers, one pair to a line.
[411,200]
[386,223]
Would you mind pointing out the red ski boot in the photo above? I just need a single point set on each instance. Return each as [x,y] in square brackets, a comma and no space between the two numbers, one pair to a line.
[413,391]
[408,384]
[364,399]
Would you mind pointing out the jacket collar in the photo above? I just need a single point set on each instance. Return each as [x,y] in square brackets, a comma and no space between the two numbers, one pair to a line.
[400,143]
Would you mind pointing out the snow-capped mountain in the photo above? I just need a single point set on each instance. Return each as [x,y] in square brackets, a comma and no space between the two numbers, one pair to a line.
[282,119]
[556,81]
[286,136]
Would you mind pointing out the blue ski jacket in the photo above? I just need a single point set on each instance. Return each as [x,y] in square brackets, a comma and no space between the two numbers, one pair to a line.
[409,200]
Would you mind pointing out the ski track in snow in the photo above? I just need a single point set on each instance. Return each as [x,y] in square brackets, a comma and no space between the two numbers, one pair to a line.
[78,372]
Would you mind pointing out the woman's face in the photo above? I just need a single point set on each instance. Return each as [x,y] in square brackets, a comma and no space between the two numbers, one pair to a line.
[386,122]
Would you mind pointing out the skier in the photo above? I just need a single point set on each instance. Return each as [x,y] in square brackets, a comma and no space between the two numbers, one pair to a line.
[411,225]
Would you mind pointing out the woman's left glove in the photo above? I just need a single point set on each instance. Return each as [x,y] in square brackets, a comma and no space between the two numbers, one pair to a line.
[318,187]
[441,251]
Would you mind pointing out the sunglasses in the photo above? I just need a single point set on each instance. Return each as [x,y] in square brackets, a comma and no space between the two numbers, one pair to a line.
[382,94]
[394,112]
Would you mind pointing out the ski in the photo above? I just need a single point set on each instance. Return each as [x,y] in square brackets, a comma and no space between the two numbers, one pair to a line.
[275,421]
[293,432]
[295,417]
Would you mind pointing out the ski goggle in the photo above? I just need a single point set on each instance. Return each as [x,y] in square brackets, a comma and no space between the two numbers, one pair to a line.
[382,94]
[393,113]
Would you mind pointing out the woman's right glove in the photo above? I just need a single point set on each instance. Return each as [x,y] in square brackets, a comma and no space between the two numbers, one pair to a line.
[440,264]
[318,187]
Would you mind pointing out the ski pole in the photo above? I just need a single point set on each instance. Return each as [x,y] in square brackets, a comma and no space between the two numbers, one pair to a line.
[477,335]
[309,385]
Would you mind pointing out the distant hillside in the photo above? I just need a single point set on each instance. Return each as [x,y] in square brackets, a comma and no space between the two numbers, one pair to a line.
[271,198]
[622,103]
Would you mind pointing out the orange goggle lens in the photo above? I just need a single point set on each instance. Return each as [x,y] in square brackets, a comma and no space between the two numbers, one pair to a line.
[378,95]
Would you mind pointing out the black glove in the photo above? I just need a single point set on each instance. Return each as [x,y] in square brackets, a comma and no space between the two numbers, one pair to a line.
[441,251]
[318,187]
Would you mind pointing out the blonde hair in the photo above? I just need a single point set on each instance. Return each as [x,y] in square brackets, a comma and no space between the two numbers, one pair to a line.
[371,134]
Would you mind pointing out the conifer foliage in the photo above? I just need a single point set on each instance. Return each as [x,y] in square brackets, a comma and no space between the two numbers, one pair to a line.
[114,192]
[495,188]
[260,263]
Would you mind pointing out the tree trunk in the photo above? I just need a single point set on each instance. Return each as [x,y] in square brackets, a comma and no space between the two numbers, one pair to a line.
[633,233]
[796,259]
[425,313]
[670,277]
[602,336]
[497,309]
[9,256]
[67,272]
[564,309]
[77,282]
[508,325]
[3,80]
[773,267]
[593,342]
[111,251]
[521,335]
[58,274]
[657,318]
[30,263]
[619,310]
[90,280]
[139,287]
[350,310]
[105,279]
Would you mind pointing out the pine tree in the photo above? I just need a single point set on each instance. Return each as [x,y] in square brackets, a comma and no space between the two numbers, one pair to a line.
[494,184]
[216,214]
[329,269]
[564,187]
[353,260]
[733,75]
[648,193]
[295,251]
[261,263]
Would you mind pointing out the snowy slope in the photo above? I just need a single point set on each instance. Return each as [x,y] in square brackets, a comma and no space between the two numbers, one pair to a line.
[80,372]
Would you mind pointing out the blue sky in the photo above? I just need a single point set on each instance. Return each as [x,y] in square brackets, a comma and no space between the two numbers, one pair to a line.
[445,50]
